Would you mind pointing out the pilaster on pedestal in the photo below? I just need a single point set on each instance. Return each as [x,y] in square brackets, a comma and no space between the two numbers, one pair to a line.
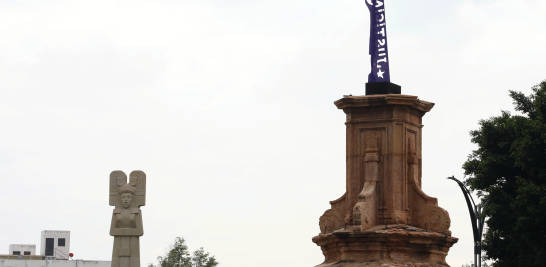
[384,169]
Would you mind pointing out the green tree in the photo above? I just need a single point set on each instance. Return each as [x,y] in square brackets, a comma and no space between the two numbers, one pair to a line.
[509,168]
[179,256]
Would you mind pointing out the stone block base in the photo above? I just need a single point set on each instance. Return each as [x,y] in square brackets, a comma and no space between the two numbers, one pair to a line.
[383,88]
[385,246]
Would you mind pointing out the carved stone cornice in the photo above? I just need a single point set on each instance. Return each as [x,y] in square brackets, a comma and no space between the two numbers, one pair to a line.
[382,100]
[392,245]
[399,120]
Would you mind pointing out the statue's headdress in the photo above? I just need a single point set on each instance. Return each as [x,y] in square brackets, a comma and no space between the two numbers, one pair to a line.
[126,188]
[136,186]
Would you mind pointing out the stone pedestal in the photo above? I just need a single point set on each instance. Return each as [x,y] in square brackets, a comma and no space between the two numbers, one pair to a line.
[384,216]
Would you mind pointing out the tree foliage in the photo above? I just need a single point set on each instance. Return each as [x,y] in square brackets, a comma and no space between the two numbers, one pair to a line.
[509,167]
[179,256]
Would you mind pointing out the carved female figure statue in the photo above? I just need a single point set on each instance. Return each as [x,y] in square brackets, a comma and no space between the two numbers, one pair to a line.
[126,227]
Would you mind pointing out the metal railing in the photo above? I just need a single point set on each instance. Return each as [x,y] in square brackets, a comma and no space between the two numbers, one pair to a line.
[59,253]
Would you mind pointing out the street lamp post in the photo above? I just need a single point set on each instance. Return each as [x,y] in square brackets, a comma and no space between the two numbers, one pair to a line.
[476,218]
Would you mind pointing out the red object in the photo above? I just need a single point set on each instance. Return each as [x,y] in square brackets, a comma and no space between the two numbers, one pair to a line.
[71,255]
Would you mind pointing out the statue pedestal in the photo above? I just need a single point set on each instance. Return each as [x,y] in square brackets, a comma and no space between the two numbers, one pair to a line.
[382,88]
[396,245]
[384,188]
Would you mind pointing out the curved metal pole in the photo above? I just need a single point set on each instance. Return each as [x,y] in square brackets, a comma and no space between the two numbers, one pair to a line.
[467,191]
[472,209]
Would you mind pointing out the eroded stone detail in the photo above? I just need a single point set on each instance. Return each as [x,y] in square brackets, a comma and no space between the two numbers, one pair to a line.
[124,252]
[429,216]
[328,222]
[333,218]
[365,210]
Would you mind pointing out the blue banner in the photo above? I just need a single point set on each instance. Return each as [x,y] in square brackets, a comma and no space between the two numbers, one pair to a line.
[378,42]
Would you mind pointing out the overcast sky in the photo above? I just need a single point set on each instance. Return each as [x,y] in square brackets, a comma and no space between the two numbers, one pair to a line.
[227,105]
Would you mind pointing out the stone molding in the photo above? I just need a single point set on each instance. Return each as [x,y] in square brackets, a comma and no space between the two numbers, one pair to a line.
[394,245]
[382,100]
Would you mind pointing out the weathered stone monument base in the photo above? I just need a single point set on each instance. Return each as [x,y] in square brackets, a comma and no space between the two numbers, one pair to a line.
[392,245]
[126,251]
[384,218]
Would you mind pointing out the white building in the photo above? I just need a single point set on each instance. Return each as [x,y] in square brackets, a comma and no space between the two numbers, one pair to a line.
[56,244]
[53,263]
[20,249]
[55,251]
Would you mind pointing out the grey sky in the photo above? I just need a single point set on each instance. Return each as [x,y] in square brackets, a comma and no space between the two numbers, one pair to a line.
[228,108]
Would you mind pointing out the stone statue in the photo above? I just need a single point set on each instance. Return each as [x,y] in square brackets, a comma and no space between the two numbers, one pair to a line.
[126,227]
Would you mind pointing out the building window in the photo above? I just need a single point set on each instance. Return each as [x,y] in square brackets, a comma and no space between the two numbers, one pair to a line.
[17,253]
[60,243]
[27,252]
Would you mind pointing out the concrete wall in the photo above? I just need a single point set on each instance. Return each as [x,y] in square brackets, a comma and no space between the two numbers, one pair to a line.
[25,257]
[53,263]
[65,251]
[22,248]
